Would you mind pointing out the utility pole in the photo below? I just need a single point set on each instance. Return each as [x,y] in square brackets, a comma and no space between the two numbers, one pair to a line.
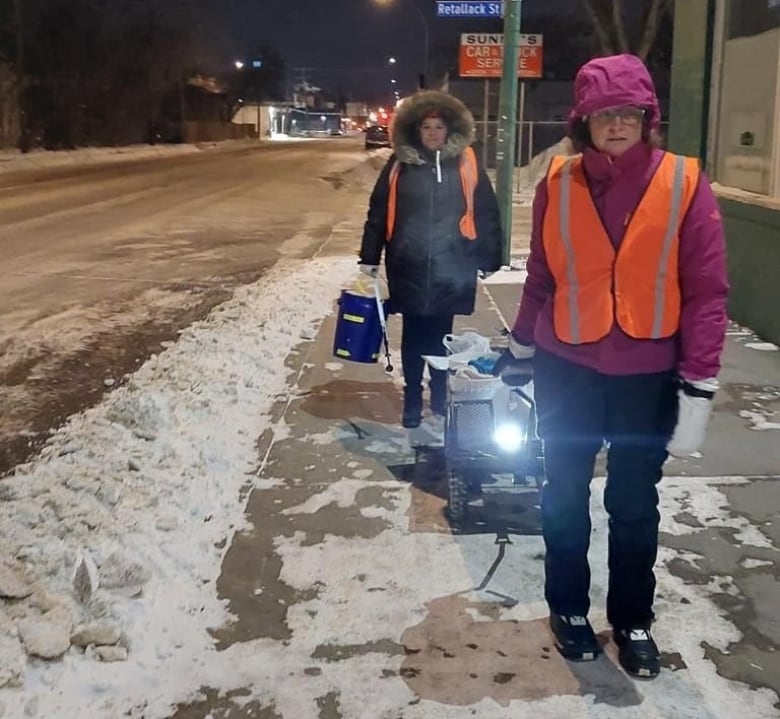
[507,122]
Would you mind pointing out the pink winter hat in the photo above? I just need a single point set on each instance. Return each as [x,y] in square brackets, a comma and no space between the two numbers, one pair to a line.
[614,81]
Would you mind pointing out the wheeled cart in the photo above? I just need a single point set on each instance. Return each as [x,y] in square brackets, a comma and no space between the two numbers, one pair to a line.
[490,432]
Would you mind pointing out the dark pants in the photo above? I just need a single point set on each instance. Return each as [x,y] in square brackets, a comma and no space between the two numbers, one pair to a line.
[579,409]
[423,336]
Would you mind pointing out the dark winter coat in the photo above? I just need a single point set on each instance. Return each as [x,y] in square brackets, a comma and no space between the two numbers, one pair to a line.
[431,267]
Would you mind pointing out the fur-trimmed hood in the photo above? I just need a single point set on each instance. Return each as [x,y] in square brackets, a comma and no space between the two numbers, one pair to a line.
[414,109]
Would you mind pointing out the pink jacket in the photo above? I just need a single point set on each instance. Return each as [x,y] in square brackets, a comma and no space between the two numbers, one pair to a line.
[617,186]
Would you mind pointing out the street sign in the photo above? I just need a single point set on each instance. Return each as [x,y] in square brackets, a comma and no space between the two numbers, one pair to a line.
[469,8]
[482,55]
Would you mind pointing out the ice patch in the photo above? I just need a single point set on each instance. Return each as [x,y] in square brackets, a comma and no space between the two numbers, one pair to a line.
[759,420]
[749,563]
[341,493]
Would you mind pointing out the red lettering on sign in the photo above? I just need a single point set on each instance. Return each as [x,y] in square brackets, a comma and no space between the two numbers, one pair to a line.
[485,58]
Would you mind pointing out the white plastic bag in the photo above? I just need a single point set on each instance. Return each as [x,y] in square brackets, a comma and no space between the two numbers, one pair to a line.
[461,349]
[468,383]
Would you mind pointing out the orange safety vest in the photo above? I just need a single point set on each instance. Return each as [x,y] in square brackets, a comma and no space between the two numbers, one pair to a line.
[469,176]
[595,285]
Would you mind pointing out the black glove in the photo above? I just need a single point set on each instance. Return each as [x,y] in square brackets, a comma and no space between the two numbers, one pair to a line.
[515,372]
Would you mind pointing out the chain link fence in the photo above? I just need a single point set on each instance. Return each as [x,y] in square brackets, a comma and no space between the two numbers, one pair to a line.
[533,138]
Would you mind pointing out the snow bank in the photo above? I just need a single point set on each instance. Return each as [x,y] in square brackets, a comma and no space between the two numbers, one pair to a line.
[530,175]
[13,160]
[114,536]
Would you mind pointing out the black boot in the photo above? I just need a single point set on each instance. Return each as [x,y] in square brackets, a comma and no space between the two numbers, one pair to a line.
[574,637]
[412,415]
[637,652]
[438,387]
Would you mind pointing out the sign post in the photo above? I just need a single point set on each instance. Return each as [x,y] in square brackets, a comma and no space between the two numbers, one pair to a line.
[507,118]
[520,119]
[485,118]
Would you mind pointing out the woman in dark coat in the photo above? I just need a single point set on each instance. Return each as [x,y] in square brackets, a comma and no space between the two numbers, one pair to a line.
[435,215]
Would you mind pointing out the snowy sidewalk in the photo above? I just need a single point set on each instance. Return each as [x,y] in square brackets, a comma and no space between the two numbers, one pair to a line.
[364,601]
[257,540]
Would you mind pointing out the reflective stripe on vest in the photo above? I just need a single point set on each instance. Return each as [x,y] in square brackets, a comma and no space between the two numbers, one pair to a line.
[638,285]
[469,177]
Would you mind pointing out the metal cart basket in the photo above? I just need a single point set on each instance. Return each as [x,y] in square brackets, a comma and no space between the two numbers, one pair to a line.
[490,430]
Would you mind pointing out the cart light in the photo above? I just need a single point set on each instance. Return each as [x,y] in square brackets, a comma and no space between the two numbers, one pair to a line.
[509,437]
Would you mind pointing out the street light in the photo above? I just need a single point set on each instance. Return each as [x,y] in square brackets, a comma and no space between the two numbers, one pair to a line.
[239,65]
[391,60]
[426,33]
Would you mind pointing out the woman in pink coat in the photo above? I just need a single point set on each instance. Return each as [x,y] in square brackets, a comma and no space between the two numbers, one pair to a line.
[624,312]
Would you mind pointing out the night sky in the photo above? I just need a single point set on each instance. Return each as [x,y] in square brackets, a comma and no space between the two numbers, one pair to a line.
[345,43]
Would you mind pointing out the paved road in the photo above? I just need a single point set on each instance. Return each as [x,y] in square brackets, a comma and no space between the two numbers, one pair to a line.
[103,263]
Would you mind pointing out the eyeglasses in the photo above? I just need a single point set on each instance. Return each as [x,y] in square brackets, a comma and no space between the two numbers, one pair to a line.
[629,115]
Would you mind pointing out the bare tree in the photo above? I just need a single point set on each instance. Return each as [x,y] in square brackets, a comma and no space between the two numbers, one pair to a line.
[104,71]
[608,18]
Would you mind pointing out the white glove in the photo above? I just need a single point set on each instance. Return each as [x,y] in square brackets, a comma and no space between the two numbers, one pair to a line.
[520,352]
[370,270]
[694,409]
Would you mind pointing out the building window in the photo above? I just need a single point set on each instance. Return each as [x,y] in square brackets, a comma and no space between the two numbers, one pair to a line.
[748,137]
[752,17]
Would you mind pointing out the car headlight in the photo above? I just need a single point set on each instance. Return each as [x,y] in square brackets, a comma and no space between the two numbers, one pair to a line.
[509,437]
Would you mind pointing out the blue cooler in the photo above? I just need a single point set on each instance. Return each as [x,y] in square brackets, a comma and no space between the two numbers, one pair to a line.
[358,329]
